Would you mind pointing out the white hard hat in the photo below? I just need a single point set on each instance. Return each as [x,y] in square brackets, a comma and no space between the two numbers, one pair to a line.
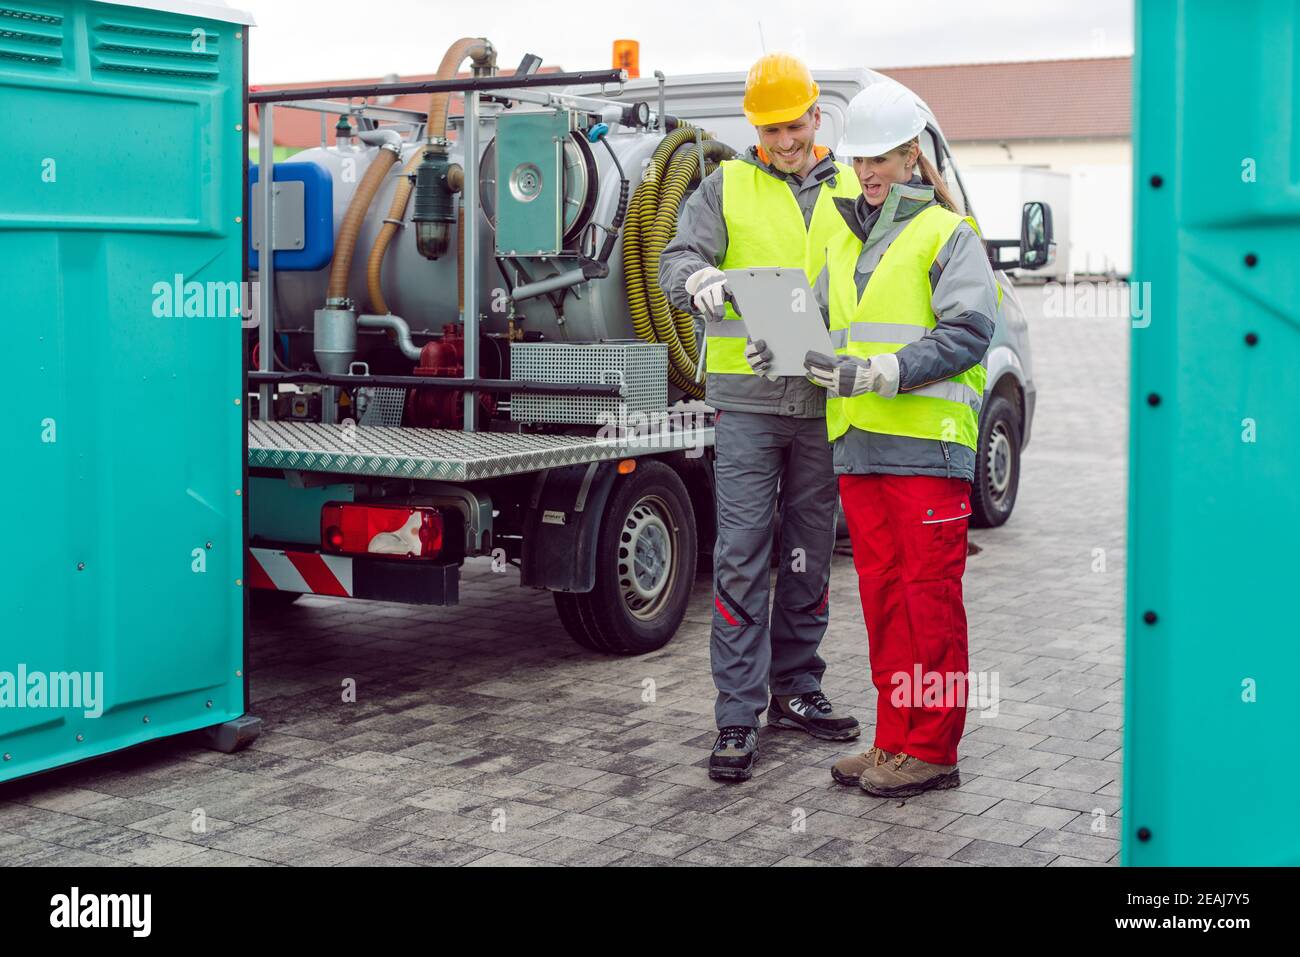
[881,117]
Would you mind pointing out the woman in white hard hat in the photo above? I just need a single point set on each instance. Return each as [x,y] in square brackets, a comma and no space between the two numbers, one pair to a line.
[912,302]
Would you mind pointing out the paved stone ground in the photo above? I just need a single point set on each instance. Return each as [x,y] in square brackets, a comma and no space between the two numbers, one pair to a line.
[487,713]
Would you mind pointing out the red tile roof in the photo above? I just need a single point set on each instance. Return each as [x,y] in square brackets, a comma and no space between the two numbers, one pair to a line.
[1040,99]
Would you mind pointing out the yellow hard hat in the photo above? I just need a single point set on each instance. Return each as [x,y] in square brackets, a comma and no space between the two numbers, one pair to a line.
[779,89]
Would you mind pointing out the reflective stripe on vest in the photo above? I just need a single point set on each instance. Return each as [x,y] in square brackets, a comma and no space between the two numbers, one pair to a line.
[894,332]
[765,227]
[953,391]
[893,311]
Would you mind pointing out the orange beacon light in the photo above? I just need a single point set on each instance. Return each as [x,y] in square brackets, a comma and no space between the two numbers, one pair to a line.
[627,56]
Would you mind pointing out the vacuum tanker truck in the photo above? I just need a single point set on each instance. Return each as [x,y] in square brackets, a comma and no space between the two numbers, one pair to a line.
[462,349]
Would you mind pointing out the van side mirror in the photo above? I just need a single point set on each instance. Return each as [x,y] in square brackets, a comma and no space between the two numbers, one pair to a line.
[1036,246]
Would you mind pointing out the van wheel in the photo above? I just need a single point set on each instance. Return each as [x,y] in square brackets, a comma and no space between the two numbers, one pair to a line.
[645,567]
[997,464]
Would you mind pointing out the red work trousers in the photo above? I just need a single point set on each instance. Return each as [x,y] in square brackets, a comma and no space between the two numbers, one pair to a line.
[909,548]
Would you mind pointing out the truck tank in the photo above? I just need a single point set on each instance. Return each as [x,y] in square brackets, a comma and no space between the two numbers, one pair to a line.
[426,293]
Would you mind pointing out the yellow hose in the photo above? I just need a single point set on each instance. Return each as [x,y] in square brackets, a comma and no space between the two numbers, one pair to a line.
[651,224]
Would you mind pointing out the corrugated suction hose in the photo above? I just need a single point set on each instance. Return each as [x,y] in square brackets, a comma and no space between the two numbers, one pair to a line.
[651,224]
[346,243]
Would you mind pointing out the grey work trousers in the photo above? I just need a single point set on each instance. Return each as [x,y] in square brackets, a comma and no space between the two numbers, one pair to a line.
[757,454]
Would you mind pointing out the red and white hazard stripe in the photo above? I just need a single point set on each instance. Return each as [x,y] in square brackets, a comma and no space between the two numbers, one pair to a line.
[308,572]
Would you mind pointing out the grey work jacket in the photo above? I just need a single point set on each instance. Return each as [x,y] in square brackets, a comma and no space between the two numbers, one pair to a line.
[701,241]
[964,297]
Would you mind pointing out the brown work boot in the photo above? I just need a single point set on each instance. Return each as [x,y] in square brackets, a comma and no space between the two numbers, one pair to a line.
[905,776]
[848,769]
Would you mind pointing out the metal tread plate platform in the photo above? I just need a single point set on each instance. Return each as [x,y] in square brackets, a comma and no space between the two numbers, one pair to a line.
[442,454]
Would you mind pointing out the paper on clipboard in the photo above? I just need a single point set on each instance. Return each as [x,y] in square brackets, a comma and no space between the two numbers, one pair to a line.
[778,307]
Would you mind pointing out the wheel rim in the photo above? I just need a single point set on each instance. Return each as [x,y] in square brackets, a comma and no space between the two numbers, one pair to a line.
[1000,459]
[645,565]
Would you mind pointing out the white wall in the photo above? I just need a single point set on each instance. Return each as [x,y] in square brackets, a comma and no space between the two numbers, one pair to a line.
[1101,215]
[998,194]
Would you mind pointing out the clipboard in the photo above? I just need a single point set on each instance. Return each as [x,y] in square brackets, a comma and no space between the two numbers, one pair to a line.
[767,299]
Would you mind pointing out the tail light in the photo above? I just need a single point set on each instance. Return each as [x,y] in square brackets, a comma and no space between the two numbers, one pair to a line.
[397,531]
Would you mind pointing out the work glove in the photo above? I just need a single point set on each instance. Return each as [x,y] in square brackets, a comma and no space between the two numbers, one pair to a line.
[759,357]
[708,288]
[845,376]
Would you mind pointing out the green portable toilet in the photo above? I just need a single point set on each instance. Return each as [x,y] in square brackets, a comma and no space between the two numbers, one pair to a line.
[1210,770]
[121,248]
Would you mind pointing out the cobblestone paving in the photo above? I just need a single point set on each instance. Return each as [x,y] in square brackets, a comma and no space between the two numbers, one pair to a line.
[482,735]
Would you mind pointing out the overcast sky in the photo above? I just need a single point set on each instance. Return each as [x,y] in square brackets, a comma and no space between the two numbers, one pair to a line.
[342,39]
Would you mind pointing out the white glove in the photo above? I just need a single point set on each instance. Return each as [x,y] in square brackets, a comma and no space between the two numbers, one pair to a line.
[883,375]
[846,376]
[708,288]
[759,357]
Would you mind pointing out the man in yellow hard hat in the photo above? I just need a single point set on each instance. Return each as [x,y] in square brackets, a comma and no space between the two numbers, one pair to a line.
[772,207]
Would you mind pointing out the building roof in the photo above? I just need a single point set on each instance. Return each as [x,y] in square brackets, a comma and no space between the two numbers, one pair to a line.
[1031,100]
[1038,99]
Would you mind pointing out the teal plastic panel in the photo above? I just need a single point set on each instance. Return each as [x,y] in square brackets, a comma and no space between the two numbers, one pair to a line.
[530,182]
[121,194]
[1213,641]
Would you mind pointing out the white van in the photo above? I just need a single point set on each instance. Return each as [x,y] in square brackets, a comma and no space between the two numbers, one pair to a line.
[712,102]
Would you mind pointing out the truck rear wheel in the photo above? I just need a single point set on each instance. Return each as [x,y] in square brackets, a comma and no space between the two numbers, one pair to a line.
[645,567]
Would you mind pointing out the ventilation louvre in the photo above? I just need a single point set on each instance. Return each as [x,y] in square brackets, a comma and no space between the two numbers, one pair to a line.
[118,46]
[28,36]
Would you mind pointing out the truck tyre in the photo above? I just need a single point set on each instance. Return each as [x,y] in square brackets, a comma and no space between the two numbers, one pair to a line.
[645,566]
[997,464]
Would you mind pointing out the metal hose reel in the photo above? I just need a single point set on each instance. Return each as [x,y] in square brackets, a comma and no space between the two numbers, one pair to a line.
[528,185]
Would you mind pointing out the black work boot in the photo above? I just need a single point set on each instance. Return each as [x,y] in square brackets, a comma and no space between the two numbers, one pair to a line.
[734,754]
[813,713]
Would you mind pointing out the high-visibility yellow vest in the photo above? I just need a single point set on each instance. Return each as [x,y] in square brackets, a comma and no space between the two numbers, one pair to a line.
[894,310]
[765,227]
